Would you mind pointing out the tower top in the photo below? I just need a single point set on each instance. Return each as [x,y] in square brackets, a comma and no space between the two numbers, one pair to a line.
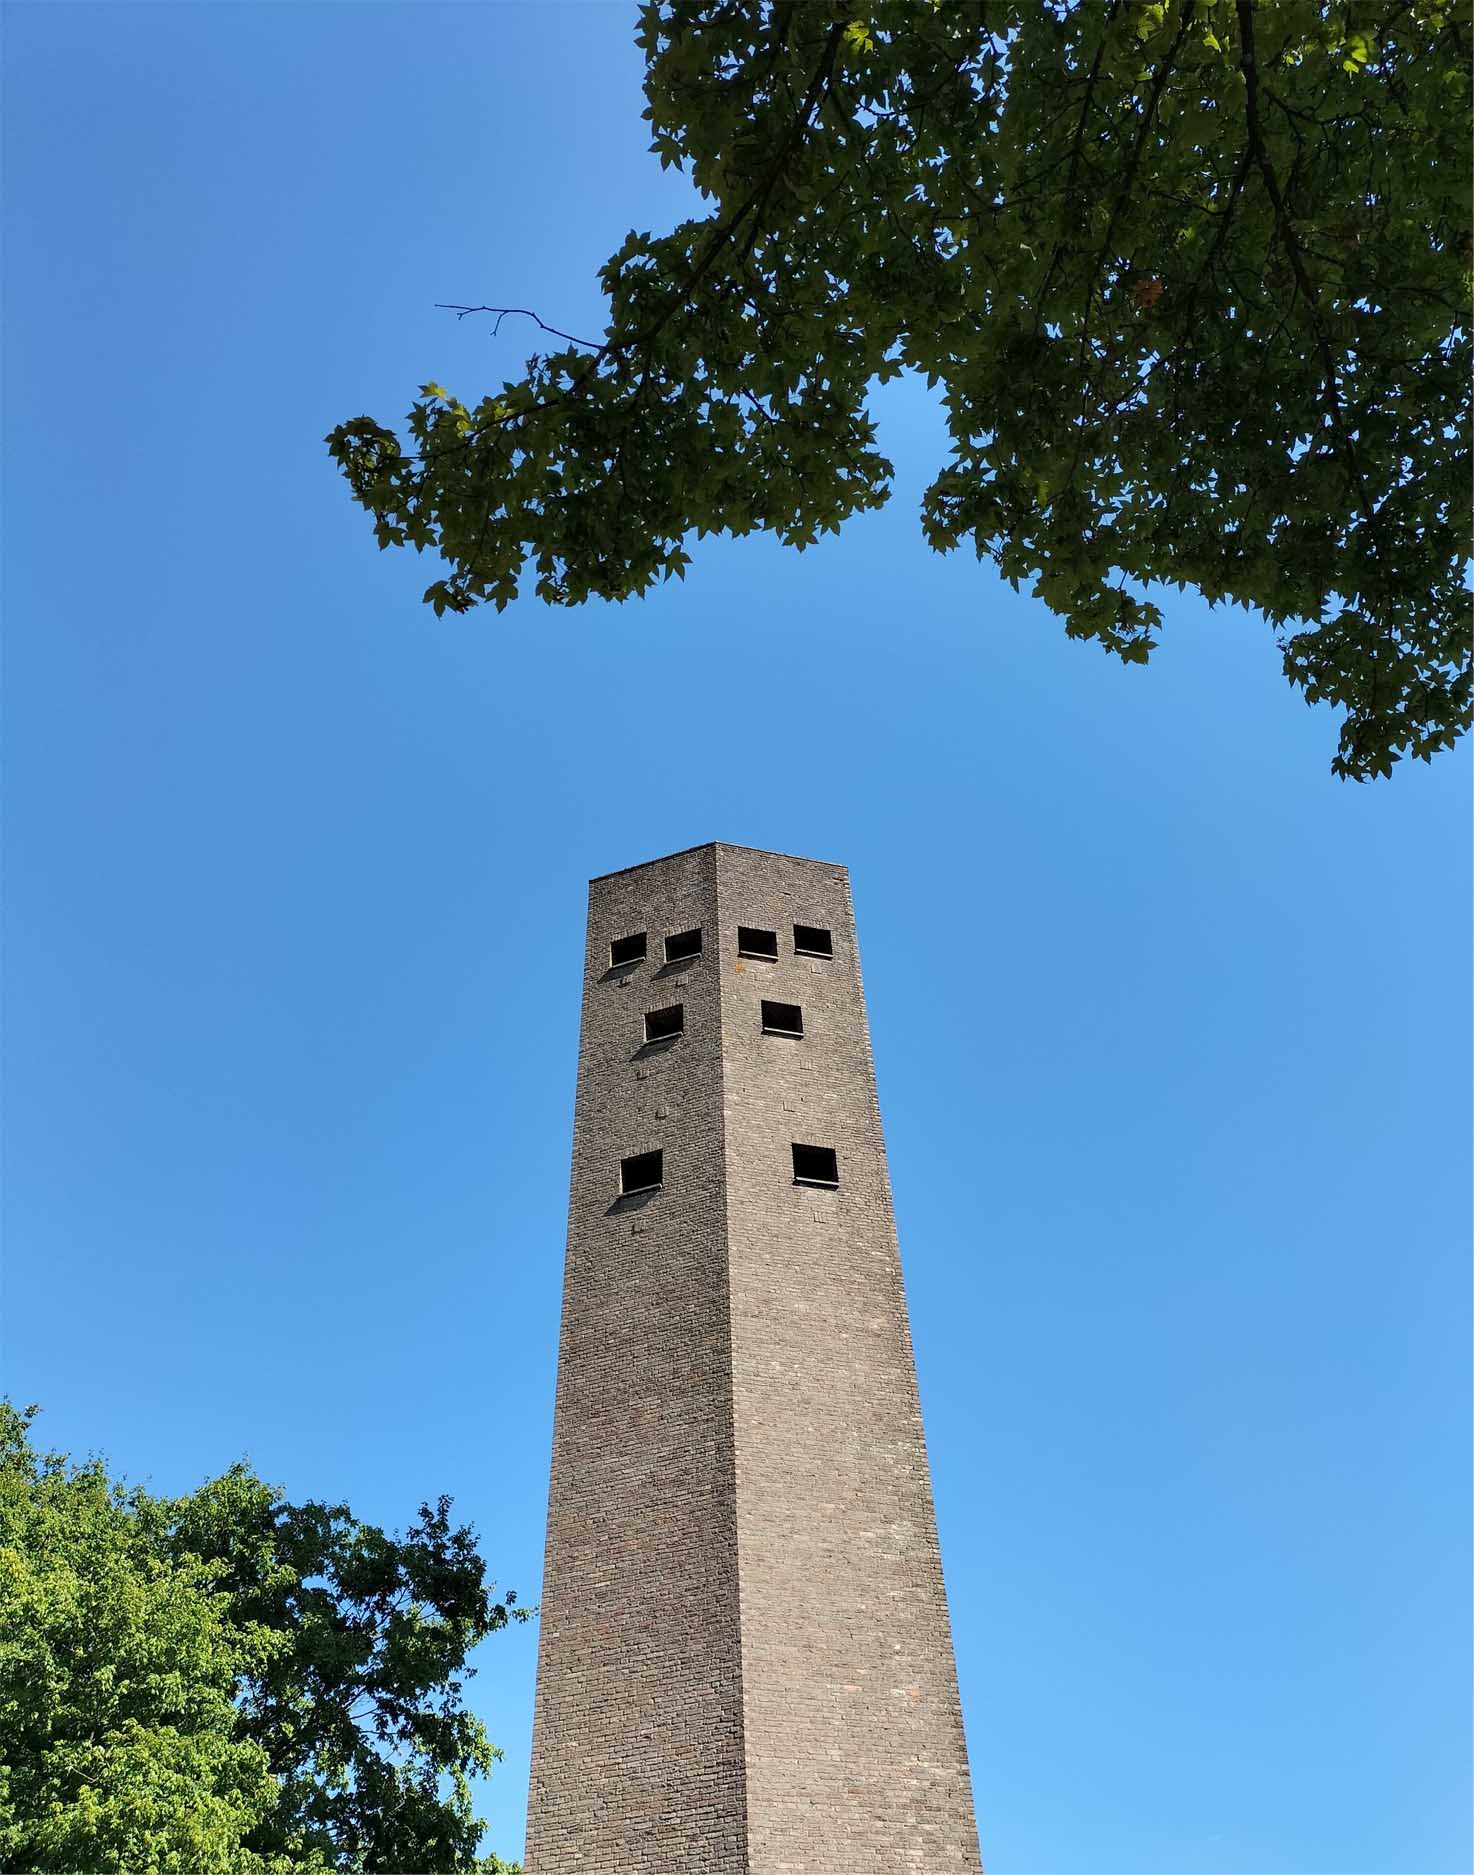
[725,846]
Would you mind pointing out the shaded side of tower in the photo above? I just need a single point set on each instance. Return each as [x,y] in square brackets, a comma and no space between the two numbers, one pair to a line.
[637,1758]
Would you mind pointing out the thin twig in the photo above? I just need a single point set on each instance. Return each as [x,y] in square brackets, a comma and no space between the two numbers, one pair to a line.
[521,312]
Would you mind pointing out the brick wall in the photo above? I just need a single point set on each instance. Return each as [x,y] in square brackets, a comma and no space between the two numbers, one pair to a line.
[637,1741]
[745,1662]
[853,1727]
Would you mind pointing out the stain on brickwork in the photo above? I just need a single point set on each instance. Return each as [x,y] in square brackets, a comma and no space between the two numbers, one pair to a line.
[745,1665]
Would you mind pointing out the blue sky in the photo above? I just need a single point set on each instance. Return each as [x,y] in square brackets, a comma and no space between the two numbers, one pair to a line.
[1170,1027]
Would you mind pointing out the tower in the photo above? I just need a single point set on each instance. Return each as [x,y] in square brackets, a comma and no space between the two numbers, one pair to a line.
[745,1664]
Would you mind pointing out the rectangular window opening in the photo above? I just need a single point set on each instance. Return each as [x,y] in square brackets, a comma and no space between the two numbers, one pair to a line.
[811,940]
[783,1019]
[815,1165]
[627,950]
[754,943]
[662,1024]
[643,1172]
[683,945]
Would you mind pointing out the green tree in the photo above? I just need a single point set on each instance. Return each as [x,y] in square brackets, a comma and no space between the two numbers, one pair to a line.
[1192,277]
[228,1684]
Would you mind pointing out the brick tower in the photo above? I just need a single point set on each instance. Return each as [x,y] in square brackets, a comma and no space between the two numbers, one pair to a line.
[745,1663]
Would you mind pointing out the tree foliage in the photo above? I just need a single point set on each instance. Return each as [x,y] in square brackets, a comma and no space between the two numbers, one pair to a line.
[1191,276]
[228,1684]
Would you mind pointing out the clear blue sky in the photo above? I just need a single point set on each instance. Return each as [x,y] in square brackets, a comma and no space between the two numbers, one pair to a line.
[1171,1028]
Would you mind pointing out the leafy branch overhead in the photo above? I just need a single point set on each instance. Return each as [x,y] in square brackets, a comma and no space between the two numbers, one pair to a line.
[1192,278]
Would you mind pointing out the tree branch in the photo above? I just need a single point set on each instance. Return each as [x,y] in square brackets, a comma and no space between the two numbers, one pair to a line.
[1285,228]
[521,312]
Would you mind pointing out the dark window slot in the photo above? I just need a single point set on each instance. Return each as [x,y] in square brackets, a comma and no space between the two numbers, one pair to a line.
[811,940]
[643,1172]
[782,1019]
[683,945]
[662,1024]
[754,943]
[815,1165]
[627,950]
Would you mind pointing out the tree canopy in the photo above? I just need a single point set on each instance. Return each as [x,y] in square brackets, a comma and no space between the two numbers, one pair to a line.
[1191,276]
[228,1684]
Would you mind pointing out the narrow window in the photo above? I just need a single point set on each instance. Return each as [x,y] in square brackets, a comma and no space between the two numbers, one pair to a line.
[662,1024]
[643,1173]
[814,1165]
[683,945]
[627,950]
[782,1019]
[810,940]
[751,943]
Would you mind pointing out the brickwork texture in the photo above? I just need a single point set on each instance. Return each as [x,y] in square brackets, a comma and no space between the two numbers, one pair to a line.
[745,1665]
